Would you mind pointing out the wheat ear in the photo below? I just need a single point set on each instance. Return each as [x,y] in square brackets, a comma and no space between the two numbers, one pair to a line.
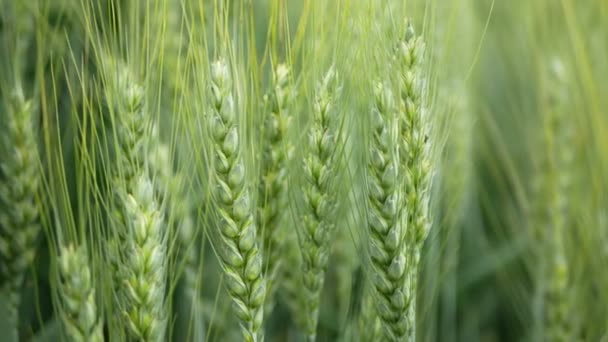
[555,178]
[416,163]
[19,215]
[79,315]
[172,193]
[272,190]
[237,238]
[141,248]
[386,244]
[317,226]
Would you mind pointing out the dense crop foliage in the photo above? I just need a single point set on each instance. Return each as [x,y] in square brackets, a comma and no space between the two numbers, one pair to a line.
[306,170]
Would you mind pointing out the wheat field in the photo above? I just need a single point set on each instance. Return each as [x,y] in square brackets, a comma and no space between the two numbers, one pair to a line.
[303,170]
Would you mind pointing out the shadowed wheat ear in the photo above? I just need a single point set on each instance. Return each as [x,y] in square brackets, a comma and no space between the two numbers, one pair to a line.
[551,218]
[416,164]
[19,215]
[317,225]
[237,238]
[273,184]
[79,315]
[19,165]
[140,252]
[172,193]
[290,281]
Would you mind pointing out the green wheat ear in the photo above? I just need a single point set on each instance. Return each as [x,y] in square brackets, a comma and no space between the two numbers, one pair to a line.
[237,238]
[318,225]
[19,215]
[551,215]
[272,205]
[79,314]
[386,234]
[415,146]
[172,193]
[140,251]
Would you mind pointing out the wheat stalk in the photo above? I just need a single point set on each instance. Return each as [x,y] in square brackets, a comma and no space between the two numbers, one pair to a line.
[237,238]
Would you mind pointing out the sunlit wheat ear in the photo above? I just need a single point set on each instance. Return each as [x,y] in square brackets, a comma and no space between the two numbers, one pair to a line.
[273,183]
[237,232]
[19,214]
[317,216]
[415,157]
[415,125]
[140,252]
[144,263]
[386,243]
[78,310]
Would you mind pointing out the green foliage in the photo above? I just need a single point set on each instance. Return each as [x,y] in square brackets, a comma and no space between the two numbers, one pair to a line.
[220,170]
